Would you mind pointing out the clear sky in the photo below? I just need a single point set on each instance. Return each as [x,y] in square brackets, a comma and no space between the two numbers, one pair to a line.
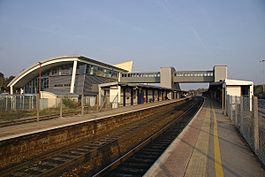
[186,34]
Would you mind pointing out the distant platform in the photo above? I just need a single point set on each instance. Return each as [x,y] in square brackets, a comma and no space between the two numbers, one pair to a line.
[20,130]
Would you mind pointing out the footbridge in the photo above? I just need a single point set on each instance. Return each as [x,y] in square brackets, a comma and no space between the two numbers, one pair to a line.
[178,77]
[170,78]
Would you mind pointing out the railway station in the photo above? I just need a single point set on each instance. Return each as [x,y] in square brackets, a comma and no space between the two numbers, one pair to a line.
[153,128]
[78,75]
[158,88]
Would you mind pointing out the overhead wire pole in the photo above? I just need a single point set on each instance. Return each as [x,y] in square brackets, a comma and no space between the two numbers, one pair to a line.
[38,97]
[39,80]
[263,61]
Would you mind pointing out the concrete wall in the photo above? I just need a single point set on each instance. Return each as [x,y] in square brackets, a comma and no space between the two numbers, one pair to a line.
[233,90]
[52,99]
[114,96]
[220,73]
[126,66]
[166,77]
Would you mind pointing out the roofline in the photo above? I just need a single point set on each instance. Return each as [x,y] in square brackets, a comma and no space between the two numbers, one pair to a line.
[116,83]
[57,60]
[101,63]
[194,71]
[237,82]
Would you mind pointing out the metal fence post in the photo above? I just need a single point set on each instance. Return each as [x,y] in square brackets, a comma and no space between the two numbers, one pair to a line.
[82,105]
[38,107]
[29,101]
[256,123]
[97,102]
[241,114]
[15,103]
[32,102]
[6,98]
[236,111]
[231,108]
[61,107]
[20,107]
[225,100]
[227,103]
[228,106]
[23,102]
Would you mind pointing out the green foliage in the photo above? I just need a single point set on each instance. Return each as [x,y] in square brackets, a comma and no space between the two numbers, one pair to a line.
[4,82]
[70,103]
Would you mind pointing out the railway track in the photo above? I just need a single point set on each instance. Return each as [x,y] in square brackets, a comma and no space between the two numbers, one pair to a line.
[80,159]
[139,160]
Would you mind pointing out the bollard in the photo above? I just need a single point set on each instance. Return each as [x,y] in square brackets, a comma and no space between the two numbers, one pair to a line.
[256,122]
[61,107]
[38,107]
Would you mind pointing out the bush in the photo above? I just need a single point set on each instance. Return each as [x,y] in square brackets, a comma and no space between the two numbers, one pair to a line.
[70,103]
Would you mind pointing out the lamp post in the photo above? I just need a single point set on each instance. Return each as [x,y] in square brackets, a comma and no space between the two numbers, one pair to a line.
[39,79]
[263,61]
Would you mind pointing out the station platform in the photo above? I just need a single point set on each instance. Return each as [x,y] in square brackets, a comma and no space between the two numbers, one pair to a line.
[209,146]
[41,126]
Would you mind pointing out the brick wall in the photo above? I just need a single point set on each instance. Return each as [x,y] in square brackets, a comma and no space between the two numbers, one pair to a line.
[17,150]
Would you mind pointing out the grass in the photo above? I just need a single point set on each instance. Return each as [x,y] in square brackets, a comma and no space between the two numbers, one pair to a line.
[69,107]
[12,115]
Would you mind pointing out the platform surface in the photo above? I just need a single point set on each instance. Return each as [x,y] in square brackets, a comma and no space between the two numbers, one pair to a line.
[209,146]
[35,127]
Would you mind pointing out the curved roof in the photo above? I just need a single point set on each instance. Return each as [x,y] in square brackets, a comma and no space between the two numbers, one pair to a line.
[31,72]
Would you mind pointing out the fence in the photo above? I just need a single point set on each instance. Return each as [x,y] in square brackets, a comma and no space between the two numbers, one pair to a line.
[14,107]
[248,115]
[29,108]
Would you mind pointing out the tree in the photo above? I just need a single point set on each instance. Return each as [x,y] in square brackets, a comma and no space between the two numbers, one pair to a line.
[7,80]
[2,80]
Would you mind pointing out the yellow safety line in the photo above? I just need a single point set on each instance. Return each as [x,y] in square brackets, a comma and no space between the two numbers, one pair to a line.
[219,172]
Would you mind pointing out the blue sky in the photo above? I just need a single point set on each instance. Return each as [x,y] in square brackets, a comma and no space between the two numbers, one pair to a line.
[186,34]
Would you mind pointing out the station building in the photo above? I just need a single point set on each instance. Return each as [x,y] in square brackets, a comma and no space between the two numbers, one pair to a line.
[66,75]
[79,75]
[73,76]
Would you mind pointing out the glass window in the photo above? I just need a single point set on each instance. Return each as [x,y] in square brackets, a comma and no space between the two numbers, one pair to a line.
[81,68]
